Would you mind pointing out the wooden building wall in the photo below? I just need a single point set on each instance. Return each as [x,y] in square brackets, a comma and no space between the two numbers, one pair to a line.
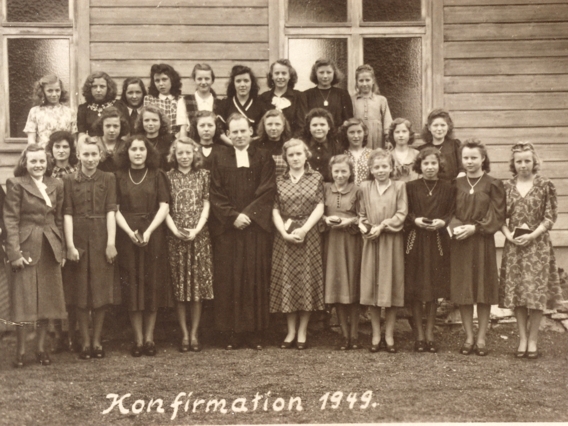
[505,80]
[128,36]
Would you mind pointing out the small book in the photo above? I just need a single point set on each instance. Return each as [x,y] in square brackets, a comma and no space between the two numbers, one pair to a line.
[139,236]
[454,223]
[367,227]
[517,232]
[290,225]
[335,220]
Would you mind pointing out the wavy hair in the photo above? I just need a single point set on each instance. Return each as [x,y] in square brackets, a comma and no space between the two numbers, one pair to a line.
[111,112]
[175,80]
[62,135]
[197,161]
[437,113]
[164,120]
[261,131]
[423,153]
[239,70]
[122,159]
[343,159]
[128,82]
[350,123]
[194,133]
[337,75]
[393,126]
[379,154]
[319,113]
[474,143]
[293,74]
[111,87]
[39,86]
[21,169]
[523,146]
[367,68]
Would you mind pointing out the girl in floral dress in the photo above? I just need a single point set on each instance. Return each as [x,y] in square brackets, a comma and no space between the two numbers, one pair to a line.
[529,276]
[401,136]
[189,248]
[355,135]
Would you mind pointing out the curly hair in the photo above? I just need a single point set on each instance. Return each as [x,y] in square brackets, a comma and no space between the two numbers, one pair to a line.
[59,136]
[523,146]
[292,143]
[350,123]
[293,74]
[164,120]
[319,113]
[474,143]
[111,112]
[437,113]
[194,133]
[111,87]
[261,131]
[197,161]
[379,154]
[239,70]
[343,159]
[175,79]
[39,86]
[367,68]
[393,126]
[337,75]
[21,168]
[122,158]
[128,82]
[422,154]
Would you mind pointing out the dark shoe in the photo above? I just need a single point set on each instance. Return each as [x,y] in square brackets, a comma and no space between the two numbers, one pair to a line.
[184,346]
[43,358]
[532,355]
[301,345]
[85,353]
[521,354]
[375,348]
[431,346]
[253,343]
[149,349]
[480,351]
[98,353]
[19,361]
[391,349]
[355,345]
[287,345]
[466,349]
[382,343]
[344,345]
[196,346]
[419,346]
[233,342]
[136,350]
[59,346]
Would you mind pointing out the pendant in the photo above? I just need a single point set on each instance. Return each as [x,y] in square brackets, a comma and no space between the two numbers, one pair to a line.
[429,194]
[471,191]
[325,103]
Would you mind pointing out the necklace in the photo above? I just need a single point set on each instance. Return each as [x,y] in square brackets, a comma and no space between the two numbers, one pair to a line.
[98,108]
[141,180]
[325,102]
[473,186]
[429,190]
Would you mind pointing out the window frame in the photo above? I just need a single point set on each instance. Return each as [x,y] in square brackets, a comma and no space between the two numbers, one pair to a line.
[38,30]
[429,29]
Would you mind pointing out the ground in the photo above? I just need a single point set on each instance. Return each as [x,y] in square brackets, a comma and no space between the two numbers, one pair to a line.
[402,387]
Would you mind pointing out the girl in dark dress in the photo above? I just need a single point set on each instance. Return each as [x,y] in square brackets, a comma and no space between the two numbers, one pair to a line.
[281,79]
[153,123]
[273,132]
[438,132]
[326,75]
[431,203]
[480,212]
[319,136]
[99,92]
[143,204]
[205,130]
[242,97]
[109,129]
[132,98]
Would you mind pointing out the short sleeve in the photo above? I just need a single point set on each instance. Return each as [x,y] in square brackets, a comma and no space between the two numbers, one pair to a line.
[181,117]
[31,124]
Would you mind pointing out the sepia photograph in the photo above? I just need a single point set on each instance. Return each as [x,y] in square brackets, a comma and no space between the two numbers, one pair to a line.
[226,212]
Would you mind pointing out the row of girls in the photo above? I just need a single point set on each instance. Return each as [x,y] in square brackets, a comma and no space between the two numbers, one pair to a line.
[363,187]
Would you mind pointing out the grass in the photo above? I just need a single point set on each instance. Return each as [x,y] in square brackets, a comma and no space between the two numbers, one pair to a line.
[406,387]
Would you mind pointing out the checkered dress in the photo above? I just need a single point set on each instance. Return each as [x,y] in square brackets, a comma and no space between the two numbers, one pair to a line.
[168,106]
[297,269]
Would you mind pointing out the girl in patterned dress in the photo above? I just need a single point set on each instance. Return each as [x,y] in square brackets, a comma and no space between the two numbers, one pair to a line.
[273,131]
[401,136]
[382,210]
[189,248]
[296,285]
[529,276]
[343,246]
[370,106]
[153,123]
[49,115]
[355,136]
[165,93]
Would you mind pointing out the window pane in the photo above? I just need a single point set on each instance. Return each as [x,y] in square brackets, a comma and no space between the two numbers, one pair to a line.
[392,10]
[304,52]
[37,11]
[397,63]
[28,60]
[317,11]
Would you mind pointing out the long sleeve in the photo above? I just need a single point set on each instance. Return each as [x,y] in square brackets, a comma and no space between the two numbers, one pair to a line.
[300,118]
[347,107]
[550,206]
[12,207]
[386,116]
[82,119]
[221,206]
[495,216]
[260,209]
[58,215]
[397,220]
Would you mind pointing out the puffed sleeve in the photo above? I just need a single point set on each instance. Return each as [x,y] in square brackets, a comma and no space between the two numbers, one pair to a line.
[550,205]
[31,124]
[396,222]
[495,216]
[12,207]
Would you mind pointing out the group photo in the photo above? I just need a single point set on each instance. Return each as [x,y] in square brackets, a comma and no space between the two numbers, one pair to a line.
[221,212]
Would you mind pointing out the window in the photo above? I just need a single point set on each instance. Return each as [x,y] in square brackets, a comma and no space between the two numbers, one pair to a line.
[36,39]
[393,36]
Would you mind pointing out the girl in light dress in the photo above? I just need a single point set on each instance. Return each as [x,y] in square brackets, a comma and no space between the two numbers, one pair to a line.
[355,135]
[371,107]
[49,114]
[382,210]
[401,136]
[165,93]
[343,246]
[189,246]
